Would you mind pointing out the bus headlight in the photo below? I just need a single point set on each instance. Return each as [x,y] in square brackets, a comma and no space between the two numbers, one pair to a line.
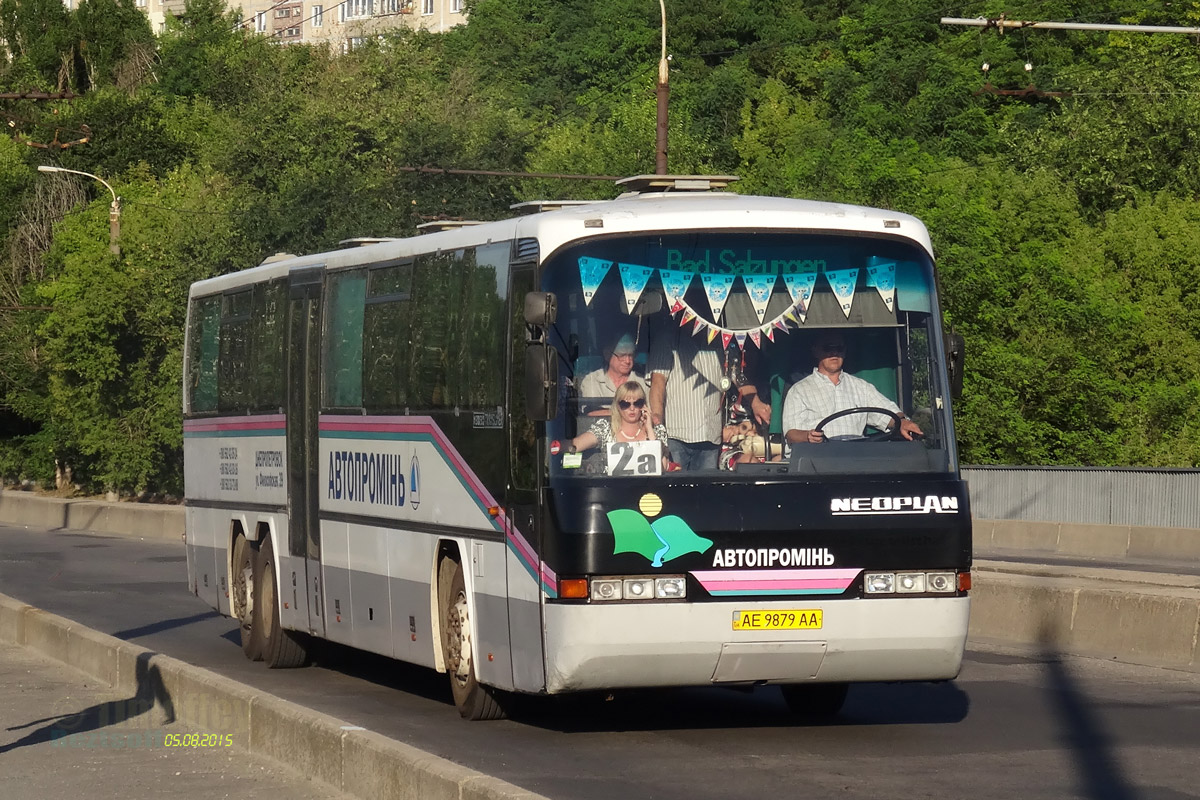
[639,588]
[941,581]
[670,588]
[606,589]
[879,582]
[910,582]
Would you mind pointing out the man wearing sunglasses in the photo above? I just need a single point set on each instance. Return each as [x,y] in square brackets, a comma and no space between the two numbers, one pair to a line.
[829,390]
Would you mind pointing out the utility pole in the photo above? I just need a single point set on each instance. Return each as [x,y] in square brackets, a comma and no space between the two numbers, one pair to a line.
[664,93]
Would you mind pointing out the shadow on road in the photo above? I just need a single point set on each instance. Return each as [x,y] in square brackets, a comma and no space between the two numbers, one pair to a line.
[717,708]
[149,692]
[130,634]
[1082,732]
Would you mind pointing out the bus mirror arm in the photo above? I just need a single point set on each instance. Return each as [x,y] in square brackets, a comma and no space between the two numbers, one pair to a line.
[541,309]
[541,381]
[954,362]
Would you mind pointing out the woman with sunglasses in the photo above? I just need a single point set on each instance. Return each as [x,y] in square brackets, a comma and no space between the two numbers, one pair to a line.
[628,422]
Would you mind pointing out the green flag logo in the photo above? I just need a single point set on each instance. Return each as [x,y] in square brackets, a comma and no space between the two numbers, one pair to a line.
[659,541]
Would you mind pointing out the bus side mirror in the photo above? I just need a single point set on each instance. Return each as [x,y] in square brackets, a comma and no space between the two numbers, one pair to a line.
[648,304]
[541,381]
[954,363]
[541,308]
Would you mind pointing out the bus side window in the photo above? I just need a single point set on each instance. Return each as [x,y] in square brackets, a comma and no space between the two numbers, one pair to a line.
[233,379]
[344,339]
[203,350]
[386,333]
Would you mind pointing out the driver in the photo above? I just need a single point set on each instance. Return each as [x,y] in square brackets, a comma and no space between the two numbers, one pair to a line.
[829,390]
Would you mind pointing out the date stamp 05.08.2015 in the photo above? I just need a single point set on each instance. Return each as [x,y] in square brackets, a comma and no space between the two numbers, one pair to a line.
[132,740]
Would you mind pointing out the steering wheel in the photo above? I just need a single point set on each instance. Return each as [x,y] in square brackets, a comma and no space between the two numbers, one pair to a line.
[888,434]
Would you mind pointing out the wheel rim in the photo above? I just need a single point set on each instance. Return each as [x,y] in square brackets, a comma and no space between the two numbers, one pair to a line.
[459,640]
[243,595]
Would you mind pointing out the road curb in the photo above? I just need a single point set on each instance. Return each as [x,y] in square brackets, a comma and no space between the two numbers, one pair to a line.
[1136,623]
[346,758]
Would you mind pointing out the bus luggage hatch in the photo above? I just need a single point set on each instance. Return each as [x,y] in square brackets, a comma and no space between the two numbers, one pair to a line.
[755,662]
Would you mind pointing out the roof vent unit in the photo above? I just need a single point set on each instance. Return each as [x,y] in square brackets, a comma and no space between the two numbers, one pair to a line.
[538,206]
[277,257]
[446,225]
[363,241]
[641,184]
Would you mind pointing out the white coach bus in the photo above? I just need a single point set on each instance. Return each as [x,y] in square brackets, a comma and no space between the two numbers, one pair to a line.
[378,451]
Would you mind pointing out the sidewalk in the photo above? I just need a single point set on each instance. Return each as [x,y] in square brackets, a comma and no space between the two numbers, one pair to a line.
[64,735]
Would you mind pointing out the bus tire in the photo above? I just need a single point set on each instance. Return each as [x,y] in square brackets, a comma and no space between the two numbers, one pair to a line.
[243,596]
[815,699]
[473,700]
[280,648]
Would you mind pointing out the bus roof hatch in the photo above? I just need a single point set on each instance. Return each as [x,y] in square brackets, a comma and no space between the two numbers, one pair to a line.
[639,184]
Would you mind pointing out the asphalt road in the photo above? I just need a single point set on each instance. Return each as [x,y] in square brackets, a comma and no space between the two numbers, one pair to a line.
[1015,724]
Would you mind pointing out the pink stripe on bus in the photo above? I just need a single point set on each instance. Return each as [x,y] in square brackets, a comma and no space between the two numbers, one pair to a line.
[750,586]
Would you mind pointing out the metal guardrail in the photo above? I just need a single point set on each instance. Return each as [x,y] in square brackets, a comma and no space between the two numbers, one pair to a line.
[1168,498]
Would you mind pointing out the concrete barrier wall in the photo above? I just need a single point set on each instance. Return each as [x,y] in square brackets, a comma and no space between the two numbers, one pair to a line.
[1089,541]
[358,762]
[143,520]
[1143,623]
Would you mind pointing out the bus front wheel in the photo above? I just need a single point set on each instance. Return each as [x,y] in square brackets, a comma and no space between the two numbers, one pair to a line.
[815,699]
[280,648]
[474,700]
[243,597]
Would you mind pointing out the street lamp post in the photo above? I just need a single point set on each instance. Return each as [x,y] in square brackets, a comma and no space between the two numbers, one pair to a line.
[663,92]
[114,210]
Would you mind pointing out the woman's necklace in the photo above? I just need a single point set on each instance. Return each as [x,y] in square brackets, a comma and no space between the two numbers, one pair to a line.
[629,437]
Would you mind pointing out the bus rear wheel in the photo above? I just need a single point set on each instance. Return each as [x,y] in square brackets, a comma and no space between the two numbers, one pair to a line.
[280,648]
[243,597]
[473,700]
[815,700]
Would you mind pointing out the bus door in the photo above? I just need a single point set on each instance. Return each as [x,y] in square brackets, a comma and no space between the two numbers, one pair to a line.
[524,594]
[304,524]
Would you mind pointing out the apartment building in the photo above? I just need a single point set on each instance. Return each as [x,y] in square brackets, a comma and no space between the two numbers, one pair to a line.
[340,23]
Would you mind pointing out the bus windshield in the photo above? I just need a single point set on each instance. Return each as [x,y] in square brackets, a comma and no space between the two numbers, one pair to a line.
[747,354]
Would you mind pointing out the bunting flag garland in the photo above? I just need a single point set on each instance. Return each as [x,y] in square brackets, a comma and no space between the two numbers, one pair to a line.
[634,280]
[592,272]
[759,287]
[716,288]
[882,275]
[675,283]
[842,282]
[800,287]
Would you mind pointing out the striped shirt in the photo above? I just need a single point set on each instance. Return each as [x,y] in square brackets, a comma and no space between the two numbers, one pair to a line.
[815,397]
[693,375]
